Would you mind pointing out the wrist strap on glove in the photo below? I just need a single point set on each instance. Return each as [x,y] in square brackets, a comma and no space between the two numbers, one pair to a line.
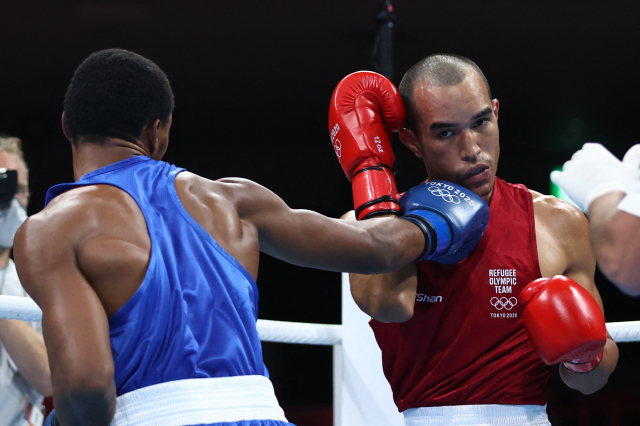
[374,192]
[583,367]
[437,235]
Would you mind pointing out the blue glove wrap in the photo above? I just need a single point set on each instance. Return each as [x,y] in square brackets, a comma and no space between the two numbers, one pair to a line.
[452,218]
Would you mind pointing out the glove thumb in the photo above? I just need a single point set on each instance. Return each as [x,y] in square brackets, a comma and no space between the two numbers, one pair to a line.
[532,290]
[556,177]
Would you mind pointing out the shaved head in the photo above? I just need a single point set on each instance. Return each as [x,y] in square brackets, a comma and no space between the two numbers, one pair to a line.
[434,70]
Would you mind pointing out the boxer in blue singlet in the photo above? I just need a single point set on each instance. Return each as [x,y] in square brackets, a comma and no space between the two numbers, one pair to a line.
[145,273]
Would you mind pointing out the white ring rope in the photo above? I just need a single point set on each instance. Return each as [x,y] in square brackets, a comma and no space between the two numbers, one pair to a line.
[624,331]
[23,308]
[299,332]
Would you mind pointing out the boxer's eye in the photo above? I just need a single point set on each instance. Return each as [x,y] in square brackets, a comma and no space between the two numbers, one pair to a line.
[445,134]
[481,122]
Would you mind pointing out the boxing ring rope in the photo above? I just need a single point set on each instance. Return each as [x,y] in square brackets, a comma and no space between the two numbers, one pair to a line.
[23,308]
[361,395]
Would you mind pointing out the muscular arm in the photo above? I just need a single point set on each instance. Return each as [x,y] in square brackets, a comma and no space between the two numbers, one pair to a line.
[615,238]
[26,348]
[74,321]
[571,228]
[386,297]
[306,238]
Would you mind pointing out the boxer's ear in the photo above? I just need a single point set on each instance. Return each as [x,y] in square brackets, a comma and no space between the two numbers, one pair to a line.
[151,138]
[65,128]
[410,139]
[495,105]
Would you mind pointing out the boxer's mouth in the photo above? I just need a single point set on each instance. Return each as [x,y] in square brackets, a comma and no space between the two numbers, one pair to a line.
[476,171]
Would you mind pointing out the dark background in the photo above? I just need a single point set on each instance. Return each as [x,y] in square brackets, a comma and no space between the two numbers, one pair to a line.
[253,79]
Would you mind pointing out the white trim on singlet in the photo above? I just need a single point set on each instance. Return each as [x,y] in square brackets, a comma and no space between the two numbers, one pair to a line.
[195,401]
[478,415]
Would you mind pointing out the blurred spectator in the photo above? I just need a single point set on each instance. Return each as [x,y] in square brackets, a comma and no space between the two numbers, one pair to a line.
[24,368]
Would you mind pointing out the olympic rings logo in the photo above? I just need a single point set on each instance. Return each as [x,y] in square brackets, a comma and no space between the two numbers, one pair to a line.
[337,147]
[445,194]
[503,303]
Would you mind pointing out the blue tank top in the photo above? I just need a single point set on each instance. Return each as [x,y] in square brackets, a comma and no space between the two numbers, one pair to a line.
[195,313]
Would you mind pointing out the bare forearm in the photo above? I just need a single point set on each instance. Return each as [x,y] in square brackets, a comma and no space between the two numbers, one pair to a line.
[399,241]
[590,382]
[615,239]
[27,350]
[376,245]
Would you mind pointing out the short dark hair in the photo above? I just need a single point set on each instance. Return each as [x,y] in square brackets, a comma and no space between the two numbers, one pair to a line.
[436,70]
[115,93]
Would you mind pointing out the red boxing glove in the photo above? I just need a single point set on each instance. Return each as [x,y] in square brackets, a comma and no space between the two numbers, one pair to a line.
[365,108]
[564,323]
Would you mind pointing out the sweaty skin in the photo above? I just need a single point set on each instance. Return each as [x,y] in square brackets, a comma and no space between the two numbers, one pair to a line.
[458,140]
[87,252]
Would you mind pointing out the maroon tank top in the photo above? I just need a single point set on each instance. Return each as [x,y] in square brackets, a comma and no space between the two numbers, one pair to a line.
[465,343]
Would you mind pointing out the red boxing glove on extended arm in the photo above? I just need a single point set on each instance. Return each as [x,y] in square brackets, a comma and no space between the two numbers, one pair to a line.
[365,108]
[564,323]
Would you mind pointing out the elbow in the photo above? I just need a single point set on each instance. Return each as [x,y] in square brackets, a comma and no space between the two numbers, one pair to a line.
[631,287]
[386,309]
[394,313]
[592,390]
[88,402]
[85,383]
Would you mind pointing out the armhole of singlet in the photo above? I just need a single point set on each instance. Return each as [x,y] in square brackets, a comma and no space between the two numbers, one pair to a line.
[115,319]
[204,234]
[532,233]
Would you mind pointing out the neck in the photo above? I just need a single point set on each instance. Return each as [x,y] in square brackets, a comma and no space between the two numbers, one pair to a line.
[487,198]
[4,257]
[88,157]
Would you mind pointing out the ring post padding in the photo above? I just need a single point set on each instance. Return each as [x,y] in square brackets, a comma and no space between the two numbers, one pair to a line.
[365,395]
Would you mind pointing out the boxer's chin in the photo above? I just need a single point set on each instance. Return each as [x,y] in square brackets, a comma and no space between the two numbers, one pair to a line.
[481,184]
[483,190]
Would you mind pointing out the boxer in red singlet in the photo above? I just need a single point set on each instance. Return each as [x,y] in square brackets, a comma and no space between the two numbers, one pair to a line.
[452,336]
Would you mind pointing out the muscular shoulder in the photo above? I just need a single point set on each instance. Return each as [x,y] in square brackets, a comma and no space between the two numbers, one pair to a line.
[562,234]
[563,218]
[58,233]
[236,198]
[249,197]
[227,196]
[80,212]
[218,206]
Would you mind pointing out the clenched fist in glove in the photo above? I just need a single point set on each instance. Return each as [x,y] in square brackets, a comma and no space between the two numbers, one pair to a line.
[564,323]
[365,108]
